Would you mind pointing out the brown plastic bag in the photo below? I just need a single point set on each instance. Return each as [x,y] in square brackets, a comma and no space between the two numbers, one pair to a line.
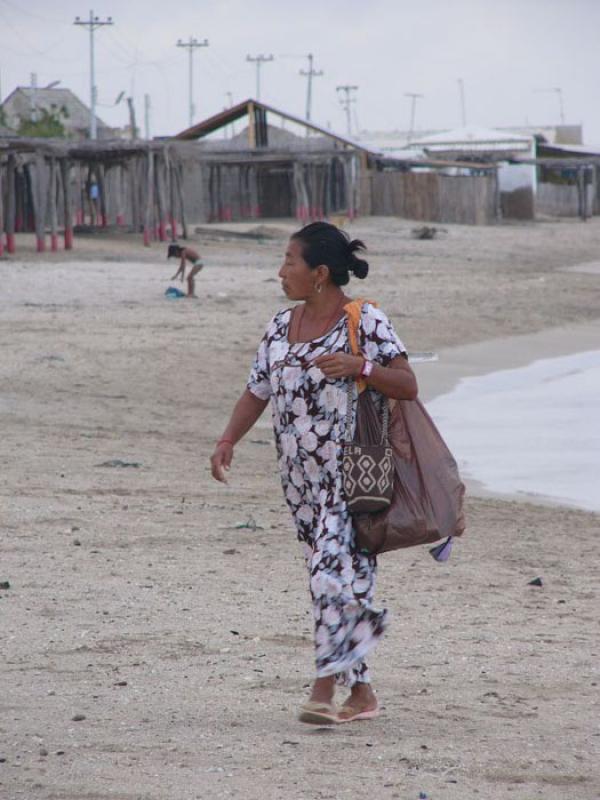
[427,504]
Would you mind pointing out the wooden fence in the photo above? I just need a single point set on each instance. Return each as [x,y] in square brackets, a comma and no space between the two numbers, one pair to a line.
[435,197]
[564,200]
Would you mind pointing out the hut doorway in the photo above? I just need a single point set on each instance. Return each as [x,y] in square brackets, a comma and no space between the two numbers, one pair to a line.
[275,191]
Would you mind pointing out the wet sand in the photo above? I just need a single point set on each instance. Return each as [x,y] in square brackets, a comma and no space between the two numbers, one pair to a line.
[139,602]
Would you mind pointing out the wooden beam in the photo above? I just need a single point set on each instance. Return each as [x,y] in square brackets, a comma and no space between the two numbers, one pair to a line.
[2,225]
[65,173]
[251,126]
[149,187]
[11,203]
[52,211]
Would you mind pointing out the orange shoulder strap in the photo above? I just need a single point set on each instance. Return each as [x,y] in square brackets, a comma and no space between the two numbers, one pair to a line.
[353,311]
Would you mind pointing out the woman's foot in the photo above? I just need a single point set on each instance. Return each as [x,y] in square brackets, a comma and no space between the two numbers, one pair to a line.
[319,710]
[323,690]
[362,704]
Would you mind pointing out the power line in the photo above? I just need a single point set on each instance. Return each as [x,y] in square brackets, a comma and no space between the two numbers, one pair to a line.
[346,100]
[259,60]
[191,45]
[310,74]
[92,24]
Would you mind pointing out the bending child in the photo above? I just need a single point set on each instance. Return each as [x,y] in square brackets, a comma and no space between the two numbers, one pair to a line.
[186,254]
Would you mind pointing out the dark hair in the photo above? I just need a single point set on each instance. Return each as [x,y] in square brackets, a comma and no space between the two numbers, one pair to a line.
[323,243]
[174,251]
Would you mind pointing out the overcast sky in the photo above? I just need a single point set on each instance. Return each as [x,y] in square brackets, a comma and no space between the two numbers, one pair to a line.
[505,51]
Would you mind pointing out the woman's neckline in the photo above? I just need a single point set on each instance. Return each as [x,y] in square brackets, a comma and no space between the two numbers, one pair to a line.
[316,338]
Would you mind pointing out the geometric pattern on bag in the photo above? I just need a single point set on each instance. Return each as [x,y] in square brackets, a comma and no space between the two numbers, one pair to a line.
[368,470]
[368,477]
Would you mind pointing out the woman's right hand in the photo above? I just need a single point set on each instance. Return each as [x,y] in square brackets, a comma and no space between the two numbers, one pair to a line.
[220,461]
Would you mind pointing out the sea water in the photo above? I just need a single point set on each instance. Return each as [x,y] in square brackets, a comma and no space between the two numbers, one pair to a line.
[530,431]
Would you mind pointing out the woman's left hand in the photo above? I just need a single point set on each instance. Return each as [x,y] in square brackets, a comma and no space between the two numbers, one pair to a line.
[339,365]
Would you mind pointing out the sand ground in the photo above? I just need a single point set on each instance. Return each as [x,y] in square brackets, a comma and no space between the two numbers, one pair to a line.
[154,649]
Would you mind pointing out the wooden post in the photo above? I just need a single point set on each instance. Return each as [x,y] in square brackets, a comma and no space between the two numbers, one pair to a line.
[171,182]
[11,203]
[65,172]
[119,192]
[149,198]
[52,212]
[251,126]
[38,197]
[2,224]
[79,209]
[132,170]
[179,180]
[22,195]
[255,213]
[160,199]
[102,190]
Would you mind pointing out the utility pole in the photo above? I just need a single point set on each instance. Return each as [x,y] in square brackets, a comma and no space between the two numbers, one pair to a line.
[92,23]
[346,100]
[132,123]
[461,92]
[191,45]
[310,74]
[259,60]
[414,97]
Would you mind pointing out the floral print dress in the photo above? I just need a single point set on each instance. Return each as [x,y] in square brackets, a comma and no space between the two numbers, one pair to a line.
[309,420]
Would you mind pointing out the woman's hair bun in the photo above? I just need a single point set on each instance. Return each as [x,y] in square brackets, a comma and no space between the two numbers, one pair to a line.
[357,266]
[323,243]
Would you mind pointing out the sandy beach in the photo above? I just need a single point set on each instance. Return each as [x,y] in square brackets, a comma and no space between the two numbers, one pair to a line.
[157,634]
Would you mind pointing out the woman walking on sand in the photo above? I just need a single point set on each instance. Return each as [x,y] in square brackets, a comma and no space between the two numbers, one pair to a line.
[302,368]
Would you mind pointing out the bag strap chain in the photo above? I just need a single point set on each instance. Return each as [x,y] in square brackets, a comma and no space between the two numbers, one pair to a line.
[385,416]
[385,421]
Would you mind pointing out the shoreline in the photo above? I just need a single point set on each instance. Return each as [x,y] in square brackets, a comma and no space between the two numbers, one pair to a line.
[437,378]
[483,358]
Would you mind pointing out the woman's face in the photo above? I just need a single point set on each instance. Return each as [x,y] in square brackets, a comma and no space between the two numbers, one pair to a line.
[297,278]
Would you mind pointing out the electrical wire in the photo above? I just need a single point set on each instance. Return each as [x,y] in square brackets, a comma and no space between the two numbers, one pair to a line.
[24,41]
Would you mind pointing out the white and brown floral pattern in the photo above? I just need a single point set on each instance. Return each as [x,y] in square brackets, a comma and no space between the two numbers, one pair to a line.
[309,421]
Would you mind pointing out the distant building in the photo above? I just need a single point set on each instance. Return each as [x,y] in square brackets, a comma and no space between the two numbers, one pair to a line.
[262,170]
[25,102]
[552,134]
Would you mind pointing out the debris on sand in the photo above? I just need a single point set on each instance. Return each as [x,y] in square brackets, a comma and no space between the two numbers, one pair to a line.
[427,232]
[117,462]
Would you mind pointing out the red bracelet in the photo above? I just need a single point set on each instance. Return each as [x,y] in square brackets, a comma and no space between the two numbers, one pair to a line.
[225,441]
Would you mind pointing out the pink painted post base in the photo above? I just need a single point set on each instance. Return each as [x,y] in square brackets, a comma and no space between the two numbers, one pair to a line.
[10,243]
[40,244]
[68,238]
[53,242]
